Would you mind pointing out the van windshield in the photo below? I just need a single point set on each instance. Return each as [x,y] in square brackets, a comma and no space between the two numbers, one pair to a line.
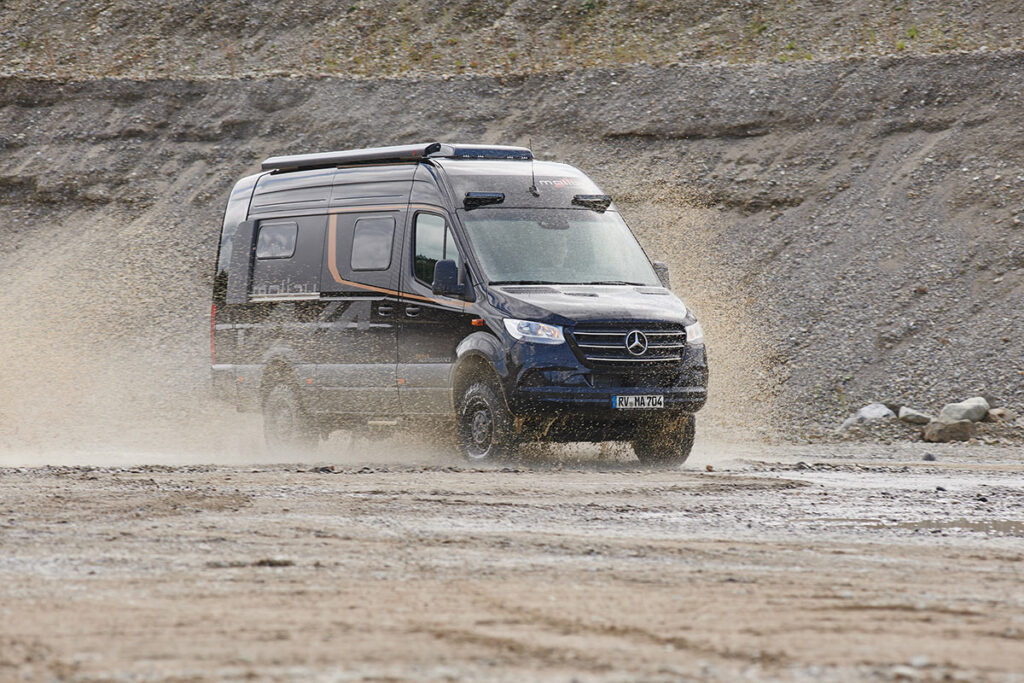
[556,246]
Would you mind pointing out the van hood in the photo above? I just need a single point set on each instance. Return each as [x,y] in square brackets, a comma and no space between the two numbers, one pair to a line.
[569,304]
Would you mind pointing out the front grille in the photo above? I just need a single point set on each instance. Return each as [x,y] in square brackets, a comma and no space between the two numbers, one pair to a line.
[604,344]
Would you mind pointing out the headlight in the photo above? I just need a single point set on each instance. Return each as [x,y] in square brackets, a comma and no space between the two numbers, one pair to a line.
[694,334]
[536,333]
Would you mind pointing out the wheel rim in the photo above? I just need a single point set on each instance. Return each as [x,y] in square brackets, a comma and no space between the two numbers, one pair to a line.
[479,423]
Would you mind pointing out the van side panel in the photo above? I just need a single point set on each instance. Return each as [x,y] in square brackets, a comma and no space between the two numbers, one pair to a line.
[292,193]
[364,192]
[298,274]
[357,351]
[430,327]
[372,185]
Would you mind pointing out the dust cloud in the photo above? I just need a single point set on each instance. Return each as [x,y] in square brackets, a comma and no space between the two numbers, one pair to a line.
[104,343]
[106,340]
[740,387]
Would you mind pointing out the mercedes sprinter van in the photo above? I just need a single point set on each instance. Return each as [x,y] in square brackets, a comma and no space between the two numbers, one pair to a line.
[448,284]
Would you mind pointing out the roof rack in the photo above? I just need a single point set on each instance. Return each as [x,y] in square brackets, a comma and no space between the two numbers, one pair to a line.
[351,156]
[398,154]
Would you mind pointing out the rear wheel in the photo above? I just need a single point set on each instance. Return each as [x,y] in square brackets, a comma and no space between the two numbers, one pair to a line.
[287,429]
[485,426]
[668,442]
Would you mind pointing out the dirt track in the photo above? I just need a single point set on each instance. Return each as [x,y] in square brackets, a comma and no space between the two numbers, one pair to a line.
[847,564]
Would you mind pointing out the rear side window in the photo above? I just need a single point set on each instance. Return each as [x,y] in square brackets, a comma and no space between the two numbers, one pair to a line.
[372,243]
[276,240]
[433,242]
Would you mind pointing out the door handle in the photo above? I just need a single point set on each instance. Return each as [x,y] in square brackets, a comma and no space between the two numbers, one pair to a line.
[412,311]
[384,310]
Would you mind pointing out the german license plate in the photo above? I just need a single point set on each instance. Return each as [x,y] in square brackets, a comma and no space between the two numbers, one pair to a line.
[641,401]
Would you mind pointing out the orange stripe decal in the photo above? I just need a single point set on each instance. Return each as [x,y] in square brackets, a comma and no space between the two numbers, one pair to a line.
[332,255]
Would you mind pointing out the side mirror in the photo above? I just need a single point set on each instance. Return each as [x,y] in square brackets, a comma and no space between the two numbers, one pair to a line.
[446,278]
[661,268]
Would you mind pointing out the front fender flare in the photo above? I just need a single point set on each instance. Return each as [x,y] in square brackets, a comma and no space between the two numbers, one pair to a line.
[476,347]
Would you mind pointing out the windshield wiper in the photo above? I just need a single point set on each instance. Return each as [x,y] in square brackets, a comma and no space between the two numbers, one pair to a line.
[525,282]
[611,282]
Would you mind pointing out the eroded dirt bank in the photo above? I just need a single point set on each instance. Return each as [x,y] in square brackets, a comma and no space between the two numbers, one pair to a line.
[848,565]
[848,231]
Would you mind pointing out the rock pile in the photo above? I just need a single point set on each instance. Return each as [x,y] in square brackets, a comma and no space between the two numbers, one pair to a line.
[955,422]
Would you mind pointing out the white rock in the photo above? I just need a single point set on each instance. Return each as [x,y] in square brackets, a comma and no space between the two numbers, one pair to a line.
[973,409]
[872,411]
[914,417]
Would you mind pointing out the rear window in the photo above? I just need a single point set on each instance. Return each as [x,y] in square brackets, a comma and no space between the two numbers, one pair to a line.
[276,240]
[372,242]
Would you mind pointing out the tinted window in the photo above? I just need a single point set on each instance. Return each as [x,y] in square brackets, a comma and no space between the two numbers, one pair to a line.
[277,240]
[434,242]
[372,241]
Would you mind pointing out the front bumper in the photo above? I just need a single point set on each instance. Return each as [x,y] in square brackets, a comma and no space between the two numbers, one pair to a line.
[554,382]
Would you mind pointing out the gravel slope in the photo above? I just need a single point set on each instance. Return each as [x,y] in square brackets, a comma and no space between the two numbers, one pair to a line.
[76,39]
[849,230]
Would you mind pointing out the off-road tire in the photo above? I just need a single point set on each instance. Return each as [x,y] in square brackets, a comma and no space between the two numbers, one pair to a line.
[287,429]
[484,425]
[668,442]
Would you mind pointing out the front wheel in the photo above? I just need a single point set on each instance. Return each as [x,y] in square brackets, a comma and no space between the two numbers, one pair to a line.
[287,428]
[485,425]
[666,443]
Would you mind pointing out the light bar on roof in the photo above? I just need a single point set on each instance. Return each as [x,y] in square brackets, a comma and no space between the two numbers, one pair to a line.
[482,152]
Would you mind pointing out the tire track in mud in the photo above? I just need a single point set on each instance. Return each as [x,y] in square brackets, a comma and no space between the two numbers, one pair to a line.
[621,636]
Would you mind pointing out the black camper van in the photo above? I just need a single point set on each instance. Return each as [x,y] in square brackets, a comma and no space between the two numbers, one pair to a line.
[432,284]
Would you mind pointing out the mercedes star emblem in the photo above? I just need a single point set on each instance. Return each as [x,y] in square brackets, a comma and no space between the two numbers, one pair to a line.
[636,343]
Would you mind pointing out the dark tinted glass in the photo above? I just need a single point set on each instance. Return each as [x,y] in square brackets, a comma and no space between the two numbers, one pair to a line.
[433,243]
[372,242]
[276,240]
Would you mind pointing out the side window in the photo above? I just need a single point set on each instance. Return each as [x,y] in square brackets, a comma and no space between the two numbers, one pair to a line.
[276,240]
[433,241]
[372,241]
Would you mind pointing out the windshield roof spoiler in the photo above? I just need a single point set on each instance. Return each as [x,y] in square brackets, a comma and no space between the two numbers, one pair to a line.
[394,155]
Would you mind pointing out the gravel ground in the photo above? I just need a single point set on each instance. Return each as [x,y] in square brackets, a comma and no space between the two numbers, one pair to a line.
[836,563]
[839,190]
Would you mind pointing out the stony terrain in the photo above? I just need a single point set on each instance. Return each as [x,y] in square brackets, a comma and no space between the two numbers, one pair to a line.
[849,231]
[77,39]
[847,564]
[839,190]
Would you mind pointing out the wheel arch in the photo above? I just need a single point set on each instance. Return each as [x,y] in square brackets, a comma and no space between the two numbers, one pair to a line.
[478,356]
